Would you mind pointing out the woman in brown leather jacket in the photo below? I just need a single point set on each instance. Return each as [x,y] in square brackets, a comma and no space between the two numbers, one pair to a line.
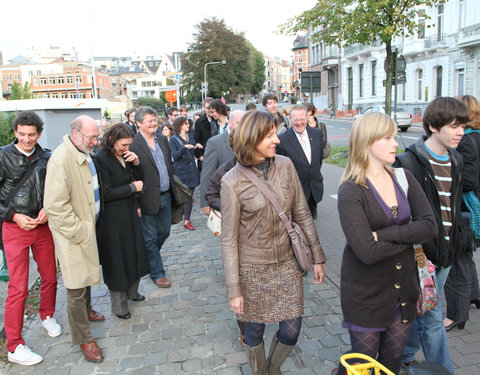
[264,282]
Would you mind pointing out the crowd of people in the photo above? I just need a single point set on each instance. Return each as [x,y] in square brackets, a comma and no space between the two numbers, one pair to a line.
[103,203]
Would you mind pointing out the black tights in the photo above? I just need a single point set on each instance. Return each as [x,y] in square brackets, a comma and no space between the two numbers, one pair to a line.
[388,344]
[288,332]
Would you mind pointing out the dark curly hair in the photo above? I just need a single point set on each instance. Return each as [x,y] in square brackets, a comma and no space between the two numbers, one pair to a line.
[178,123]
[28,118]
[116,132]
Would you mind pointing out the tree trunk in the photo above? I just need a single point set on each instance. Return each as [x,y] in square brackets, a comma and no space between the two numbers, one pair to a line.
[388,85]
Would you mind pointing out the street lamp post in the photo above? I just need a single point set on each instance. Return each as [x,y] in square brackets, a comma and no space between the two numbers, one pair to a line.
[205,84]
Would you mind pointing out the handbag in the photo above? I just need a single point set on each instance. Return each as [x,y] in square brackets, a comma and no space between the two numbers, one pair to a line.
[300,244]
[428,298]
[214,222]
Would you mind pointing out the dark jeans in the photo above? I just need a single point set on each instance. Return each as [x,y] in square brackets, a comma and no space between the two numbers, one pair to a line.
[156,229]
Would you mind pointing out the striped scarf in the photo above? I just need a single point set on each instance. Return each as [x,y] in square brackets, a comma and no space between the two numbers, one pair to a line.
[96,186]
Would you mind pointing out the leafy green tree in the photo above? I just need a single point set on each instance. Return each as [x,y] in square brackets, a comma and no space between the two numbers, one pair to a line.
[213,42]
[364,22]
[16,91]
[258,70]
[27,91]
[155,103]
[6,130]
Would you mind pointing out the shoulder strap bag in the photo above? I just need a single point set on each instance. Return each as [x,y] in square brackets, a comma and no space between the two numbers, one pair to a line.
[300,244]
[428,298]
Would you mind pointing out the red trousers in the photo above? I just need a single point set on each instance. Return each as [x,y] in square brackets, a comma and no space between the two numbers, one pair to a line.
[17,243]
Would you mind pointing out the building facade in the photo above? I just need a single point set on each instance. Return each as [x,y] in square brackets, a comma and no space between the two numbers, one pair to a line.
[442,59]
[75,82]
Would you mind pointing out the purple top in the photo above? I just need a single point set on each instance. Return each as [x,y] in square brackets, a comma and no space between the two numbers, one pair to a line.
[402,216]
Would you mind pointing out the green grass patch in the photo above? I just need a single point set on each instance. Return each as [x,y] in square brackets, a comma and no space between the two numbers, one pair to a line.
[342,161]
[335,150]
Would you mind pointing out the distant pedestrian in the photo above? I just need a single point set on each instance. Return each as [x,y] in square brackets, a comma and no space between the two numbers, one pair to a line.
[204,129]
[304,146]
[270,105]
[23,166]
[381,223]
[130,116]
[183,153]
[264,282]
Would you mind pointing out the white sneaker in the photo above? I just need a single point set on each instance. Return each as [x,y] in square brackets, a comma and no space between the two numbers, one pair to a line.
[24,356]
[53,328]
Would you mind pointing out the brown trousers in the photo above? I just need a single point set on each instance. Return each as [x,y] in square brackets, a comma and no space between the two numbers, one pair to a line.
[78,307]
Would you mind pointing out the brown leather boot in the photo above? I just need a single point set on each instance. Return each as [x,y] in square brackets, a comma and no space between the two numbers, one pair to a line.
[256,358]
[277,354]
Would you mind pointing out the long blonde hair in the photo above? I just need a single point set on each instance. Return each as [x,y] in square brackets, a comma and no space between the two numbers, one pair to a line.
[365,131]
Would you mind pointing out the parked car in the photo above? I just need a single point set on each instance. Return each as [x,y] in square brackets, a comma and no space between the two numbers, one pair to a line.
[404,119]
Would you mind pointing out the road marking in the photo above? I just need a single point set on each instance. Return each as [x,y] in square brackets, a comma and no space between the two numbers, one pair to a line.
[334,196]
[405,136]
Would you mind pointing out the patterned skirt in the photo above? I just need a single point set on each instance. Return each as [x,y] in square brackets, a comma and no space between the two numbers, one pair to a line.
[271,292]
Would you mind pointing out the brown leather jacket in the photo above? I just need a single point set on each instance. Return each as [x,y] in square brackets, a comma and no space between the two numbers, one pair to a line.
[252,232]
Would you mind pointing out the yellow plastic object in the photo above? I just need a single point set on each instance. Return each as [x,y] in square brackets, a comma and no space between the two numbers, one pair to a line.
[355,368]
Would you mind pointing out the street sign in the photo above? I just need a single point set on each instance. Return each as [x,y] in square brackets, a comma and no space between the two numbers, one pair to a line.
[171,96]
[311,81]
[399,80]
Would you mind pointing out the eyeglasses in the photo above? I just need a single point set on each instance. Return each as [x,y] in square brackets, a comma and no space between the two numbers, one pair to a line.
[89,137]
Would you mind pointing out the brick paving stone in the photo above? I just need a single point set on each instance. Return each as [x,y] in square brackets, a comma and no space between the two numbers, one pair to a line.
[154,359]
[131,363]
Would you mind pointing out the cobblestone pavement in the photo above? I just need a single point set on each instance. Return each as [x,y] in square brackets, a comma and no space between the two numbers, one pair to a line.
[189,328]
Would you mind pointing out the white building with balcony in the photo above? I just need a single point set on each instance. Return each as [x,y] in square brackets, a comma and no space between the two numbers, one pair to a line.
[443,59]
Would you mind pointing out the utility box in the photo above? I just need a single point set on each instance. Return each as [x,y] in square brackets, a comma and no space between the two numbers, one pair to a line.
[57,115]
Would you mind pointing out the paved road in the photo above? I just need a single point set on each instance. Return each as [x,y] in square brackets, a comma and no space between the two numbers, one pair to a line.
[189,328]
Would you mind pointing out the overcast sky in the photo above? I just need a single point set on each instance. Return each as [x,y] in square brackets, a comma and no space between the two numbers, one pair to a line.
[143,27]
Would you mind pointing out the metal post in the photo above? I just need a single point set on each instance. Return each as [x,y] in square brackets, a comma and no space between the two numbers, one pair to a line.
[395,56]
[205,84]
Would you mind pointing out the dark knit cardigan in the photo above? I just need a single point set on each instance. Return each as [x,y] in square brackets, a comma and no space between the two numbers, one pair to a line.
[376,276]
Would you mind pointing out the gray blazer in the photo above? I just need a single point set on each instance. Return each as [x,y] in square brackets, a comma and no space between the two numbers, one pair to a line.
[217,152]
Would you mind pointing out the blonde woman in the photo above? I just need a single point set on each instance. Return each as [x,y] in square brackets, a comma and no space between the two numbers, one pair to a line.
[379,286]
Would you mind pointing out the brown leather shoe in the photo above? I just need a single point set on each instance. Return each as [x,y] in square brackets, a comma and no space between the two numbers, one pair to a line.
[95,316]
[163,282]
[92,352]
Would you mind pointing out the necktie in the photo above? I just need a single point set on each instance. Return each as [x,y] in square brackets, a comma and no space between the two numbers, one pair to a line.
[306,150]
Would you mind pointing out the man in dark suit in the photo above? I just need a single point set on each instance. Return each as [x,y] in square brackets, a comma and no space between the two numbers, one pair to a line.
[203,128]
[304,146]
[159,190]
[217,152]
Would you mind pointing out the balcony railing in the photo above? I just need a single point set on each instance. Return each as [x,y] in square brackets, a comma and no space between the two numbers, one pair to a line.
[435,41]
[469,36]
[357,48]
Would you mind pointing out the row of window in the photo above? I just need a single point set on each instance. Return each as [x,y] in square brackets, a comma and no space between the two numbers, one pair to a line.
[56,80]
[63,95]
[9,77]
[421,92]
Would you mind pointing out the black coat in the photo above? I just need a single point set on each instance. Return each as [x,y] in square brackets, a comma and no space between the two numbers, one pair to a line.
[415,159]
[120,241]
[184,161]
[309,174]
[203,131]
